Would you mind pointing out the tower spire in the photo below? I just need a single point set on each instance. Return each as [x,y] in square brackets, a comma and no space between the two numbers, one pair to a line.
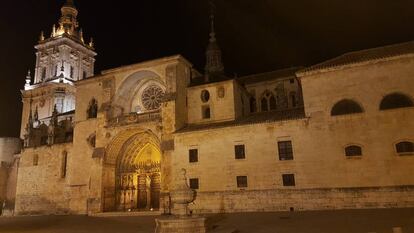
[212,30]
[214,64]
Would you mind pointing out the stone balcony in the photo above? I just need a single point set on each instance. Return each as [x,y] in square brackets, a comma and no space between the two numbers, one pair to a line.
[134,118]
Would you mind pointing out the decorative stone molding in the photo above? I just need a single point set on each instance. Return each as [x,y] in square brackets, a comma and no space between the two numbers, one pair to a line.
[169,97]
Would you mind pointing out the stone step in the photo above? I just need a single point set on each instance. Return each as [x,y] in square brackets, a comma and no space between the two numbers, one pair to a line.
[127,214]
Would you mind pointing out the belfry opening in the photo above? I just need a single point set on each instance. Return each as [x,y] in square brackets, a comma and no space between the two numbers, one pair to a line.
[134,183]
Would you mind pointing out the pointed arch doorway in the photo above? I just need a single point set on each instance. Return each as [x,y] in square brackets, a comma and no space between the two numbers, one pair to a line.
[133,173]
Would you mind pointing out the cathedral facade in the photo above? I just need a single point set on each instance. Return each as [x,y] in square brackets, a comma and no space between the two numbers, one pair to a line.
[336,135]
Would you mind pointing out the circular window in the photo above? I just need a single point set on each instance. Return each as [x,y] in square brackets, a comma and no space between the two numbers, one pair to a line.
[152,97]
[205,96]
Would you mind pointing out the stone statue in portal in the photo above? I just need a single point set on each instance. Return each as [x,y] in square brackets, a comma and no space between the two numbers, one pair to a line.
[148,181]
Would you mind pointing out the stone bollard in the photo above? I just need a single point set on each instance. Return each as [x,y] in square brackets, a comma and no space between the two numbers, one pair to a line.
[397,230]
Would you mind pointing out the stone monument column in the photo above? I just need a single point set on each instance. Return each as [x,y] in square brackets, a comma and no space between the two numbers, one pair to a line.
[181,221]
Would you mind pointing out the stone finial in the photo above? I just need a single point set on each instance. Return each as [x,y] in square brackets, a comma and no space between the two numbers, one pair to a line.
[81,35]
[28,79]
[42,36]
[91,43]
[53,31]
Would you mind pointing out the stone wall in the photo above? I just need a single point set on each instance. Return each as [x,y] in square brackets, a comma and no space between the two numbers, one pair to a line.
[42,187]
[9,147]
[221,102]
[304,199]
[3,182]
[324,175]
[12,184]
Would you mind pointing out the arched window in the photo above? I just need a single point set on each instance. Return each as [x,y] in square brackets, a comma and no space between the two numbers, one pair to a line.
[35,160]
[253,107]
[43,73]
[268,101]
[272,103]
[346,106]
[64,164]
[92,140]
[93,109]
[264,105]
[353,150]
[404,147]
[293,99]
[395,100]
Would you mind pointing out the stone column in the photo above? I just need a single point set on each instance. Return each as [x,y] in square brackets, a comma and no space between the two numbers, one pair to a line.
[148,191]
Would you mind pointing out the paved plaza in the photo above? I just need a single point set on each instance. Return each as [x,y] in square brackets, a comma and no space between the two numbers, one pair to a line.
[344,221]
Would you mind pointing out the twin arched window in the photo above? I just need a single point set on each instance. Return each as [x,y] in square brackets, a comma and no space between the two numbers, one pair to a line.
[252,103]
[268,102]
[346,106]
[396,100]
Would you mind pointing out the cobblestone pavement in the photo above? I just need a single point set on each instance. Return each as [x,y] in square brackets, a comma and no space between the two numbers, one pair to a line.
[346,221]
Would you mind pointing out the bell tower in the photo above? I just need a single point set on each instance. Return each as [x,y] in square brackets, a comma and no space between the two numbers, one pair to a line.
[61,59]
[64,57]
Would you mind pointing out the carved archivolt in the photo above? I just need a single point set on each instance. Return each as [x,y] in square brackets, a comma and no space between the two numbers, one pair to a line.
[128,137]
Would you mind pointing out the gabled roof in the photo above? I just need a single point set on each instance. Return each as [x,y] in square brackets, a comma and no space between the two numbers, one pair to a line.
[357,57]
[273,75]
[213,78]
[255,118]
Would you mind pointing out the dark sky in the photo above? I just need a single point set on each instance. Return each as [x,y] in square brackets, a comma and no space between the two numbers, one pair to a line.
[255,35]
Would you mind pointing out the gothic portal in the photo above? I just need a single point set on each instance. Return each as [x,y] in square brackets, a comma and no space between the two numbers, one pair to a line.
[138,179]
[133,172]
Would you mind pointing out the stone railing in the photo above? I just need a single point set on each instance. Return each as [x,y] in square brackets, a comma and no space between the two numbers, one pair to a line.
[134,118]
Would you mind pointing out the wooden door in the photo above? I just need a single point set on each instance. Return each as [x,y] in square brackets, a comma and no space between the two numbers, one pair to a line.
[155,190]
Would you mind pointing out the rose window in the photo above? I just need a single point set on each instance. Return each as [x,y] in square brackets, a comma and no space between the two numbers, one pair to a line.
[152,97]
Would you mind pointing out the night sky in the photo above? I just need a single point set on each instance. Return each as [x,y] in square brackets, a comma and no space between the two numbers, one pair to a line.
[255,35]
